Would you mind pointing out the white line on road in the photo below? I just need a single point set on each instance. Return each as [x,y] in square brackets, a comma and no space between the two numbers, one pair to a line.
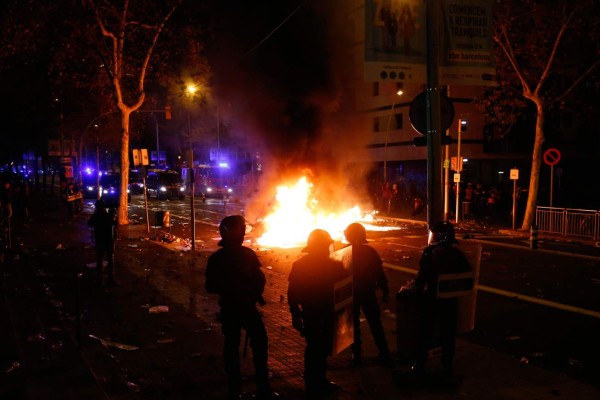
[506,293]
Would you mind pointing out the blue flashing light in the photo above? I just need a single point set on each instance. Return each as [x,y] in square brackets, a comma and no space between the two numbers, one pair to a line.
[223,165]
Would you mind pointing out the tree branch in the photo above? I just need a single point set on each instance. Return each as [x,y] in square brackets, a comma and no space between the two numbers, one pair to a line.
[509,52]
[157,33]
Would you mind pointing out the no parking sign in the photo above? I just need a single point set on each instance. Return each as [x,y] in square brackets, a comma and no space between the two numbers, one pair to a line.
[551,156]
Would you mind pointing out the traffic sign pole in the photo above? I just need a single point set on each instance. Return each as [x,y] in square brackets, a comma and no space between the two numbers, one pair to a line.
[551,158]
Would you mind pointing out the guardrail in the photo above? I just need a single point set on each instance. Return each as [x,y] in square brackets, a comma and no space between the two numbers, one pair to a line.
[568,222]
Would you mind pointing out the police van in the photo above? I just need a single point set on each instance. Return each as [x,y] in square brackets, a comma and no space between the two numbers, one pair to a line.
[165,184]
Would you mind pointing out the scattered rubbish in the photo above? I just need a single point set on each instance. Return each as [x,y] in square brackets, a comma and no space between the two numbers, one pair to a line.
[109,343]
[575,363]
[60,247]
[13,367]
[524,360]
[269,267]
[165,340]
[38,337]
[132,245]
[597,244]
[133,386]
[158,309]
[56,303]
[56,346]
[514,337]
[406,257]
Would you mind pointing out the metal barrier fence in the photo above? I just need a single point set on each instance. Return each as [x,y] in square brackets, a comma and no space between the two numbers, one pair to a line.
[568,222]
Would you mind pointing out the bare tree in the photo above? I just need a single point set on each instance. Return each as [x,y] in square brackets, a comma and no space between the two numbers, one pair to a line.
[536,40]
[127,52]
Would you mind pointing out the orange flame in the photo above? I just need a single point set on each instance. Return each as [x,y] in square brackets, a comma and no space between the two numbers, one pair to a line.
[297,213]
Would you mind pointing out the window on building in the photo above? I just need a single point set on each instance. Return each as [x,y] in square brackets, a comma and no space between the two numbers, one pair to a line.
[376,124]
[399,121]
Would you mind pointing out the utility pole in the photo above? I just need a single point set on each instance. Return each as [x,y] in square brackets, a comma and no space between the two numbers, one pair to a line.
[434,122]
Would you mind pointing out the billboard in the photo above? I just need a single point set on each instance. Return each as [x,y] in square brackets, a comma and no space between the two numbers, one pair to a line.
[396,42]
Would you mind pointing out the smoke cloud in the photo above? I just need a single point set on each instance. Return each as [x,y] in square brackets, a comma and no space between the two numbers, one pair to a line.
[285,67]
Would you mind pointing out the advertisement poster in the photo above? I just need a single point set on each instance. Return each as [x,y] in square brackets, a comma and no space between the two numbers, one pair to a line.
[395,41]
[395,37]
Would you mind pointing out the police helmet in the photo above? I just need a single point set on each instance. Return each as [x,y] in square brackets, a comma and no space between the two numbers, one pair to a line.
[442,232]
[232,229]
[318,240]
[355,233]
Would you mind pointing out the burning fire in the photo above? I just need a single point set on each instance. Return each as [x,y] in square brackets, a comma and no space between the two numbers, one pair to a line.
[297,213]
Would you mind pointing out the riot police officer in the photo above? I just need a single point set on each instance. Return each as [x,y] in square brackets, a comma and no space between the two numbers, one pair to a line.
[310,298]
[233,272]
[104,222]
[367,277]
[441,256]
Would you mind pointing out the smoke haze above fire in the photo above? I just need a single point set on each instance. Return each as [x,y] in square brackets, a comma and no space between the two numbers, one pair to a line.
[284,69]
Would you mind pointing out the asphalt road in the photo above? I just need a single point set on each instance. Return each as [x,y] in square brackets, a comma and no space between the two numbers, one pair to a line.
[539,306]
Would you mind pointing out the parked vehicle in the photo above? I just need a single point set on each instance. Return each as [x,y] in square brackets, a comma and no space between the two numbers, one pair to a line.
[215,181]
[165,184]
[136,181]
[110,188]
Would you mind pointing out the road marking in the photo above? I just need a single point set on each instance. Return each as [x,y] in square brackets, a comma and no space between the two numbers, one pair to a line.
[513,295]
[516,246]
[553,304]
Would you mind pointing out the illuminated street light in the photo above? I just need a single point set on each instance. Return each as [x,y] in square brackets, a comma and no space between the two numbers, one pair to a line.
[191,89]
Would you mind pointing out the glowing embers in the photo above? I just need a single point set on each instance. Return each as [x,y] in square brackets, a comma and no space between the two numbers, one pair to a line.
[296,213]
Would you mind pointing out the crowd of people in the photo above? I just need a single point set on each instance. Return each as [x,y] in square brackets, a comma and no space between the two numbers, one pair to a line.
[476,200]
[234,274]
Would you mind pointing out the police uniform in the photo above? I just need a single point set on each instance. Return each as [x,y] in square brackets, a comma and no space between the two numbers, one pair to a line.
[368,276]
[440,257]
[310,298]
[103,224]
[233,272]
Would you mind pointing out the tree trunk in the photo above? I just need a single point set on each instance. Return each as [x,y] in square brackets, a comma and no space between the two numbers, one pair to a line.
[536,163]
[122,216]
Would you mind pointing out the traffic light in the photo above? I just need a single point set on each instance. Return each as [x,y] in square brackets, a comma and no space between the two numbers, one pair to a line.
[167,112]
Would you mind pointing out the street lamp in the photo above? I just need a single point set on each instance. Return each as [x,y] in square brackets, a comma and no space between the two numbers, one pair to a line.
[387,134]
[191,90]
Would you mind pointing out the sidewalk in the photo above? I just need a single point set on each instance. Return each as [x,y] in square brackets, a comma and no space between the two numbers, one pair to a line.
[174,352]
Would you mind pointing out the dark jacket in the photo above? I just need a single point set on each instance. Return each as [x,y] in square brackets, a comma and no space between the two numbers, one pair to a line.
[234,274]
[103,224]
[367,270]
[436,260]
[311,283]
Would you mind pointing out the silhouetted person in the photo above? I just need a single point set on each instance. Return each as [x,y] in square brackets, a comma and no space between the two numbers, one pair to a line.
[367,277]
[103,223]
[310,297]
[233,272]
[440,257]
[7,198]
